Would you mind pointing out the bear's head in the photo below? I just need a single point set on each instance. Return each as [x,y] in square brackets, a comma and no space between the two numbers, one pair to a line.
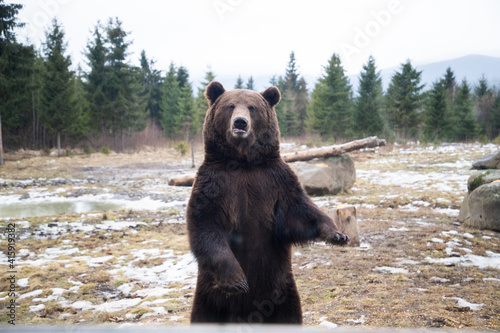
[241,125]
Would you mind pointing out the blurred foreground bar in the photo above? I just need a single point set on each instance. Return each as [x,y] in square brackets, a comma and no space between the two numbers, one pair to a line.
[243,328]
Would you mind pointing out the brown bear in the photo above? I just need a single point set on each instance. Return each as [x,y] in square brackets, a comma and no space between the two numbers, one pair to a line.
[246,211]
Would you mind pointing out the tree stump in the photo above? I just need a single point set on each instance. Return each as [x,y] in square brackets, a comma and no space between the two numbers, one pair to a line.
[345,220]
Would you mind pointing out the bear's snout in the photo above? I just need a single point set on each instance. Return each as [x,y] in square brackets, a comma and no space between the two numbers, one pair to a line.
[240,124]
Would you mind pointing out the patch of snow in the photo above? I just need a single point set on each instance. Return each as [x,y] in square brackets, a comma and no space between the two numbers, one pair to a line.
[449,233]
[58,291]
[142,253]
[399,229]
[34,293]
[23,282]
[407,262]
[357,321]
[447,211]
[491,279]
[183,269]
[37,308]
[437,240]
[328,324]
[391,270]
[83,305]
[126,288]
[438,279]
[115,306]
[468,235]
[491,261]
[297,254]
[157,310]
[365,246]
[464,304]
[158,291]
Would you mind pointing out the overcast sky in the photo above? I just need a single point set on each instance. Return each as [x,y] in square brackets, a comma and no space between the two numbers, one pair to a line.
[255,37]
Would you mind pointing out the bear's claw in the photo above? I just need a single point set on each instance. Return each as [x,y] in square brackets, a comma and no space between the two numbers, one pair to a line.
[233,289]
[338,238]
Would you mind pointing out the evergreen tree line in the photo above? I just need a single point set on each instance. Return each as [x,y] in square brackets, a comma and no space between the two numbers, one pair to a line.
[43,102]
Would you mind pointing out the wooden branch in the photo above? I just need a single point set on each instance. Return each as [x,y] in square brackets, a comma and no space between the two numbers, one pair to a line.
[181,181]
[335,150]
[324,152]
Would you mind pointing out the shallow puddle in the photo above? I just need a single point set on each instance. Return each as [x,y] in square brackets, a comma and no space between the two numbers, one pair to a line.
[25,210]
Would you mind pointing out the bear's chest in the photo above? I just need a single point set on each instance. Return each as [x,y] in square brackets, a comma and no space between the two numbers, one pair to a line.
[250,199]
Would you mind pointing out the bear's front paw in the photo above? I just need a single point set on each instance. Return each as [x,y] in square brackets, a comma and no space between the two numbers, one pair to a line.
[337,238]
[236,286]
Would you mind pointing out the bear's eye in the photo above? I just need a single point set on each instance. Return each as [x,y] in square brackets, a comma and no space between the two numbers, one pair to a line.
[231,107]
[251,108]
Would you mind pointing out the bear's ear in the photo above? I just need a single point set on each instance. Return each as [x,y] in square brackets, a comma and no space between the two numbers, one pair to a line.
[213,91]
[272,95]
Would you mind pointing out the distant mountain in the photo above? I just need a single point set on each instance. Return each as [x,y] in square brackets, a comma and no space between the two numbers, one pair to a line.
[471,67]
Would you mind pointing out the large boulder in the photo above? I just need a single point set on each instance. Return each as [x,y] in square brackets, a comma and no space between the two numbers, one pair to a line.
[487,162]
[481,205]
[481,178]
[484,207]
[326,176]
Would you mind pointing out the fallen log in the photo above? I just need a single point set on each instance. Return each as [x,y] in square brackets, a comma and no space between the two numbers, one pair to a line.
[334,150]
[324,152]
[181,180]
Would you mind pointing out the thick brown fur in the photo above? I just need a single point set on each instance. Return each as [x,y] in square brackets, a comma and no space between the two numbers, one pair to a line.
[246,211]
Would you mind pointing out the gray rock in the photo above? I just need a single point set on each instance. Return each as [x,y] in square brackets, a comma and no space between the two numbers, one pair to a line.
[464,215]
[326,176]
[484,207]
[488,162]
[474,183]
[482,177]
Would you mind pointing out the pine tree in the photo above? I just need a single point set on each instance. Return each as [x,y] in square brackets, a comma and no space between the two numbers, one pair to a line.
[435,111]
[484,103]
[201,101]
[182,76]
[170,102]
[122,86]
[80,128]
[187,119]
[250,84]
[330,107]
[450,84]
[495,117]
[465,124]
[16,68]
[301,102]
[367,119]
[239,83]
[404,99]
[291,74]
[58,107]
[99,119]
[151,88]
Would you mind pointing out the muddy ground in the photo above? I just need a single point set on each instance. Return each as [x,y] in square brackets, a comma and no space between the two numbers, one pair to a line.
[130,264]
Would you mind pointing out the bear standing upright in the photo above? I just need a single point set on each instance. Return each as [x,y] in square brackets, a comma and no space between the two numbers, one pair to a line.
[246,211]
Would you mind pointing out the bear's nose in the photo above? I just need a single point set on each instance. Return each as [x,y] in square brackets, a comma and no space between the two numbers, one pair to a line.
[240,123]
